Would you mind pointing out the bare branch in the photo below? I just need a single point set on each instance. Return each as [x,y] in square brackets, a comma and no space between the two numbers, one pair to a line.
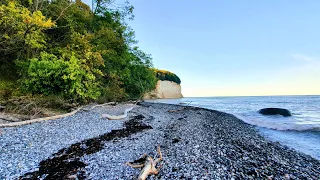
[135,165]
[61,13]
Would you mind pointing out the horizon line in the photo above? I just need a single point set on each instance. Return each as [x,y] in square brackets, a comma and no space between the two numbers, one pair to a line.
[250,95]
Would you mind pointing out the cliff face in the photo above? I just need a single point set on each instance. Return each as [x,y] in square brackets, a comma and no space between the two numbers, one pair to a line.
[165,90]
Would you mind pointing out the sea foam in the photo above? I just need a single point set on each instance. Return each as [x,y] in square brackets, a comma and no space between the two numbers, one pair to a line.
[280,123]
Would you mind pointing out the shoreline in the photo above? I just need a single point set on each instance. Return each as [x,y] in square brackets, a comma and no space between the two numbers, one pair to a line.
[196,142]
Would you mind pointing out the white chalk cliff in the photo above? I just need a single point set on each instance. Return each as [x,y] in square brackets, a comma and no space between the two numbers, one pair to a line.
[165,90]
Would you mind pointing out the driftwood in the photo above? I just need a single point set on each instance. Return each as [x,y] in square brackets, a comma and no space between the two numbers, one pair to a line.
[12,124]
[149,166]
[39,119]
[99,105]
[9,118]
[112,117]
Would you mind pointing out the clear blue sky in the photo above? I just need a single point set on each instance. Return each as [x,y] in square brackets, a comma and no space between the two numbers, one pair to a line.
[233,47]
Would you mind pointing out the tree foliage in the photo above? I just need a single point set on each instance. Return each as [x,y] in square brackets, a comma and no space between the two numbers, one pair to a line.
[167,76]
[21,35]
[62,47]
[51,75]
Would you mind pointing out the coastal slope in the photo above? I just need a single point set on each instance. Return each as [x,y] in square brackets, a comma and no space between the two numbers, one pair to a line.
[165,90]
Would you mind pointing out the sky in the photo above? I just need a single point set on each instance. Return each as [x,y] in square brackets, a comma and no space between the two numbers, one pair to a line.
[232,47]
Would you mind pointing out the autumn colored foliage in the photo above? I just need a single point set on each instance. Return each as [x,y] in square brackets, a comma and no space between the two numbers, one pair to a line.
[65,48]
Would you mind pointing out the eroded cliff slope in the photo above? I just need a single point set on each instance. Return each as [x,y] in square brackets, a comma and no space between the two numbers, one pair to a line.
[165,90]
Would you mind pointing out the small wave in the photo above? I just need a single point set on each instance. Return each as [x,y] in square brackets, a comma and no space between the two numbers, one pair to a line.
[281,126]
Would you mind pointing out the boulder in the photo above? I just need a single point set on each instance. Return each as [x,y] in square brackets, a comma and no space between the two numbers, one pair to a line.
[275,111]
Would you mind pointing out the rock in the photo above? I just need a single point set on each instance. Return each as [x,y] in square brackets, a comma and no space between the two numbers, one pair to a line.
[2,108]
[176,140]
[72,177]
[275,111]
[287,176]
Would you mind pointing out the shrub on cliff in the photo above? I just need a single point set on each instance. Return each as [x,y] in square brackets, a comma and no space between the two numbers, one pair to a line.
[164,75]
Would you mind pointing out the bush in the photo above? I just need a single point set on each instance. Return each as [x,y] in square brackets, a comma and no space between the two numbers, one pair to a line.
[50,75]
[112,93]
[7,89]
[140,79]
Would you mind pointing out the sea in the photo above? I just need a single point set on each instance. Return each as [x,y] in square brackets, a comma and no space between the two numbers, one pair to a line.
[301,131]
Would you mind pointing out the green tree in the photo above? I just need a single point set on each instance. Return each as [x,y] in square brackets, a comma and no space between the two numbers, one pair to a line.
[62,47]
[52,75]
[21,35]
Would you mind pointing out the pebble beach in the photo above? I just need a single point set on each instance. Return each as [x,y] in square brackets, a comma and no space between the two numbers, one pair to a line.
[196,143]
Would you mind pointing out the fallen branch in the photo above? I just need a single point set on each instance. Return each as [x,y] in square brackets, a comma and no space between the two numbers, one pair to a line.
[149,166]
[40,119]
[12,124]
[112,117]
[12,117]
[100,105]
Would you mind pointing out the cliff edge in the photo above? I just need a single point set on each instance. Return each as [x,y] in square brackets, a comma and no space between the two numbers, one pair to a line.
[165,90]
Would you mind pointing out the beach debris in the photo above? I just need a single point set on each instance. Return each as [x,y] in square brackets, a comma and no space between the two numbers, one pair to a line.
[148,165]
[105,104]
[115,117]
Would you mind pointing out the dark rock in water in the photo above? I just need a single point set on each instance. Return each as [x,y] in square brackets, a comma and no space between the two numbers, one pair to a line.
[275,111]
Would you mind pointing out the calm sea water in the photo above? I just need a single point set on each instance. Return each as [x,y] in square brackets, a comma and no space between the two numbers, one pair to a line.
[301,131]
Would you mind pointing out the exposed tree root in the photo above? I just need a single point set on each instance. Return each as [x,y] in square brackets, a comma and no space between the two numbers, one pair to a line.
[149,165]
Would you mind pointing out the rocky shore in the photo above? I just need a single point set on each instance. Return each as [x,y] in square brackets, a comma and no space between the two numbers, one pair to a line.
[196,144]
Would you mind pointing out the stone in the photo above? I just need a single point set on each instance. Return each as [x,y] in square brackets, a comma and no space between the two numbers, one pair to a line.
[275,111]
[176,140]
